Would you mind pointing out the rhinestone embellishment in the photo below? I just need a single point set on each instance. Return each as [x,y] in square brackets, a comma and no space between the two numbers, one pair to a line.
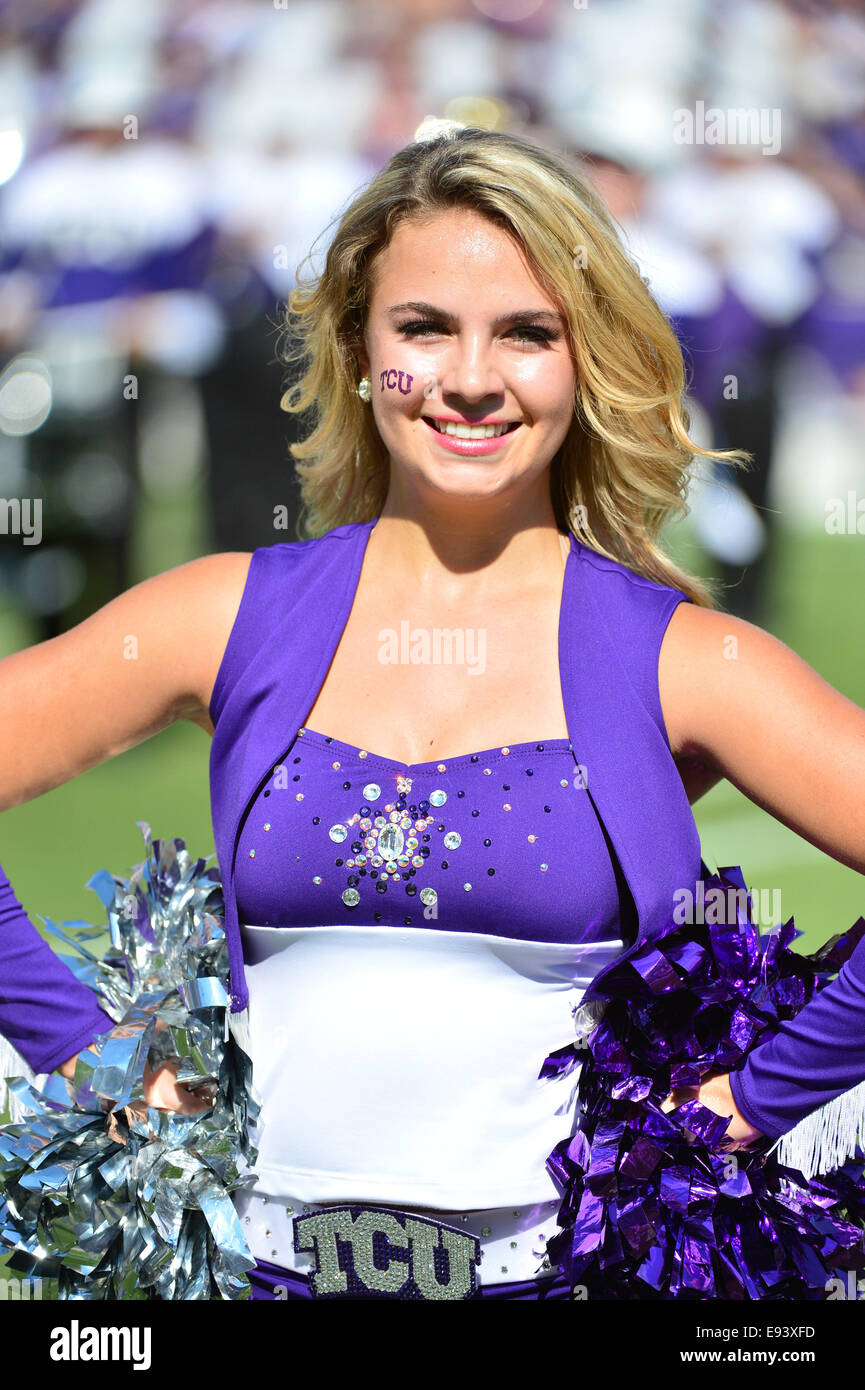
[394,845]
[391,842]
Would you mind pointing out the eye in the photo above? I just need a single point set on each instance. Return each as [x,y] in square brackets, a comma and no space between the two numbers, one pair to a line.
[525,333]
[420,328]
[541,336]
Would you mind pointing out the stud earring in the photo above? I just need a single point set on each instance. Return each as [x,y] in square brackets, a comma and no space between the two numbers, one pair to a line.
[364,388]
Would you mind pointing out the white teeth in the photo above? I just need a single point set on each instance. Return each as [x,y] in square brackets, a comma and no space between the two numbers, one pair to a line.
[469,431]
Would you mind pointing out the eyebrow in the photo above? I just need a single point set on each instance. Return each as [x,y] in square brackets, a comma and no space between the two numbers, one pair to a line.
[419,306]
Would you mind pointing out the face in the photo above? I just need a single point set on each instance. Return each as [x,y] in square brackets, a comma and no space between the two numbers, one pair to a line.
[462,341]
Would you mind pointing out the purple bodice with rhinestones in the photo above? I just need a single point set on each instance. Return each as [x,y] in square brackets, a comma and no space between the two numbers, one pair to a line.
[504,842]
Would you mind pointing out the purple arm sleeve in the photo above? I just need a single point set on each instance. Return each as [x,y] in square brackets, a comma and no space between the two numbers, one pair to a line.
[812,1059]
[45,1012]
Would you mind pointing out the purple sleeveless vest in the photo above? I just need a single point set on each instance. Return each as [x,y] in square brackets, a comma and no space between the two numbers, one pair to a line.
[294,609]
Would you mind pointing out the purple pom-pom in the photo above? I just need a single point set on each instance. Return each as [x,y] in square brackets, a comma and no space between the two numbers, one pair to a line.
[655,1203]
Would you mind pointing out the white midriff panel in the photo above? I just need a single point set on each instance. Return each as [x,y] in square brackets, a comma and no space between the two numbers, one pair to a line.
[402,1065]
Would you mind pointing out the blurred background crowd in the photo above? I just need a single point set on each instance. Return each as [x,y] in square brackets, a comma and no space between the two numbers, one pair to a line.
[166,165]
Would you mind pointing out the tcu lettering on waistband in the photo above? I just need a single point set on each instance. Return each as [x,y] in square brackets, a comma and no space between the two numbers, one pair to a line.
[369,1252]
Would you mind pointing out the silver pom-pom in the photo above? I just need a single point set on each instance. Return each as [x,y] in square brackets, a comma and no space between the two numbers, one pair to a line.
[108,1196]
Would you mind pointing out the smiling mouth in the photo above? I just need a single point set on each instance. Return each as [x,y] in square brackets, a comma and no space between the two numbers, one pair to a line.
[460,431]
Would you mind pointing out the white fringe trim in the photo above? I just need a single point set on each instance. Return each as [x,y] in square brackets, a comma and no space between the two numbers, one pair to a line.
[239,1025]
[587,1016]
[13,1064]
[827,1137]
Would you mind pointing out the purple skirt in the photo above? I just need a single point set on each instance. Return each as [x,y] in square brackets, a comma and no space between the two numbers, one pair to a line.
[274,1282]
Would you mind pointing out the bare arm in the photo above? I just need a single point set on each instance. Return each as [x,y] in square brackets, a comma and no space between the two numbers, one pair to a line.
[146,659]
[149,657]
[742,705]
[698,776]
[742,701]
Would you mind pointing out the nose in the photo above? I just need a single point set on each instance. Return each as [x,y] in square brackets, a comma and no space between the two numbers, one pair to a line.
[470,370]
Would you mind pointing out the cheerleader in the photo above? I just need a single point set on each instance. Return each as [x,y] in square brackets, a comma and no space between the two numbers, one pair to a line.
[456,737]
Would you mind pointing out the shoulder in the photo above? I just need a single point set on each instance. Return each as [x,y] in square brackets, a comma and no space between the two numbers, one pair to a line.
[198,599]
[716,669]
[288,559]
[219,578]
[751,708]
[636,612]
[172,604]
[250,592]
[615,585]
[707,644]
[232,577]
[179,623]
[186,616]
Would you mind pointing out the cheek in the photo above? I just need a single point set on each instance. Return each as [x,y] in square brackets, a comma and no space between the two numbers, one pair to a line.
[546,387]
[403,382]
[404,377]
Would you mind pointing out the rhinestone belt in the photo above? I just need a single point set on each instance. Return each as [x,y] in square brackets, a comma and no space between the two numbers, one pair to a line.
[361,1250]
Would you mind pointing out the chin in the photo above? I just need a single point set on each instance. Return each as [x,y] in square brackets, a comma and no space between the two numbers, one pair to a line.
[466,485]
[462,476]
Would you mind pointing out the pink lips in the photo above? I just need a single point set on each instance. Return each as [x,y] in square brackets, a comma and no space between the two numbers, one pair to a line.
[469,446]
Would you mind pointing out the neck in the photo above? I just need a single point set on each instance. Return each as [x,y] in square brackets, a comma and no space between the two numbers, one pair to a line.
[445,541]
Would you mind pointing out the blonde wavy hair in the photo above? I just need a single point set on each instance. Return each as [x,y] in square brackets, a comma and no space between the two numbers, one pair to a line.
[624,466]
